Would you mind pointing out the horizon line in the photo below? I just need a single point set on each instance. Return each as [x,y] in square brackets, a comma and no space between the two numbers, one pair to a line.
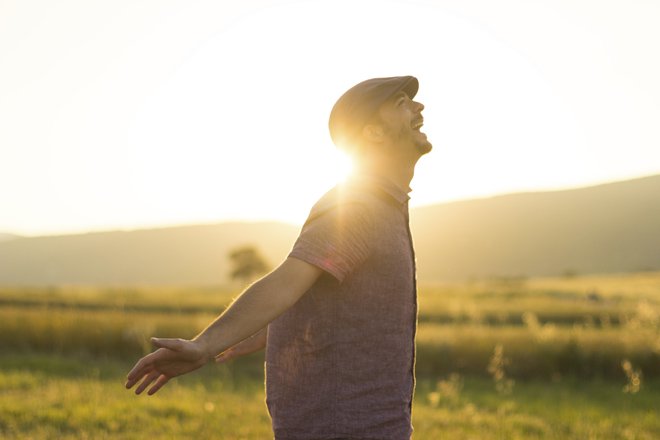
[248,220]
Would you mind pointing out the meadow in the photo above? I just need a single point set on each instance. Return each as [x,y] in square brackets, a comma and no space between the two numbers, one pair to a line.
[573,357]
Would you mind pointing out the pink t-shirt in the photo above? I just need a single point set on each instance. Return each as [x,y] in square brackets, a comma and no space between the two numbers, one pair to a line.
[340,362]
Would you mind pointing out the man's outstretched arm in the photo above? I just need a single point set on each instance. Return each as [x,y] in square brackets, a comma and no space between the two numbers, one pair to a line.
[262,302]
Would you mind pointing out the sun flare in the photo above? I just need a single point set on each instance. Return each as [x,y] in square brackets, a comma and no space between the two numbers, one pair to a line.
[219,110]
[342,166]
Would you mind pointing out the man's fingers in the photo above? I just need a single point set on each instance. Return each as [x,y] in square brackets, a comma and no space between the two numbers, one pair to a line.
[162,380]
[172,344]
[130,383]
[147,381]
[142,367]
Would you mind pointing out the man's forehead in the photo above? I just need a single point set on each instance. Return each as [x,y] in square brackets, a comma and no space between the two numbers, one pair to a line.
[395,97]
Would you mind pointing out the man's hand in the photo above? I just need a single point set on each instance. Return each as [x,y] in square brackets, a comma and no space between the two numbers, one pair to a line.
[254,343]
[174,357]
[262,302]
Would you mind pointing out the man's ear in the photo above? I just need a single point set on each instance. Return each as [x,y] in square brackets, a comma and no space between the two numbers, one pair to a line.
[373,133]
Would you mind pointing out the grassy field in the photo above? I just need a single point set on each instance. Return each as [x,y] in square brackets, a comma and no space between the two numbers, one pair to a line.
[53,397]
[505,358]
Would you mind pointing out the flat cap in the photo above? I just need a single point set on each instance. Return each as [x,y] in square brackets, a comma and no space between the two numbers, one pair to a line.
[359,104]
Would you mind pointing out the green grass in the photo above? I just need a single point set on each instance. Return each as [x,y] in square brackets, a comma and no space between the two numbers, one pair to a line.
[54,397]
[548,410]
[583,327]
[46,397]
[561,343]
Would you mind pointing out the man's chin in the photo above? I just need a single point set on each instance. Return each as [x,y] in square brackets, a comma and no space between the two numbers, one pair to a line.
[424,147]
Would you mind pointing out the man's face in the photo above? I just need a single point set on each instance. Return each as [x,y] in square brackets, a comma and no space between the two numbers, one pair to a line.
[401,118]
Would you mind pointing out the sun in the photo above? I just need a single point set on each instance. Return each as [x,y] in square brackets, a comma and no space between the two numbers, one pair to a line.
[342,165]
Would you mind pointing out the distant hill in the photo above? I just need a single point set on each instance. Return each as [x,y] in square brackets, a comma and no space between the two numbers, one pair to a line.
[5,237]
[177,255]
[607,228]
[613,227]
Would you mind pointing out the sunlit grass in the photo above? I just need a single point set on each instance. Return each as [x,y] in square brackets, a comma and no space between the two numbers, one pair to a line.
[53,397]
[537,410]
[86,399]
[575,357]
[125,299]
[585,352]
[546,329]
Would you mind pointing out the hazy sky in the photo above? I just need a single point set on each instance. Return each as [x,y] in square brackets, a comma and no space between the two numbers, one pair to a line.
[126,114]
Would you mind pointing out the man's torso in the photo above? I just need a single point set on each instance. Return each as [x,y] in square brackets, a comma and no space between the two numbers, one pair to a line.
[340,361]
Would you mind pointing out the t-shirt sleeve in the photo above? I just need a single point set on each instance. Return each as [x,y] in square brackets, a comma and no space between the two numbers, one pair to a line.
[337,241]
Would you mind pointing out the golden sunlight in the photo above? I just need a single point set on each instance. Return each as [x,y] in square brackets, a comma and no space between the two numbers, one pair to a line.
[342,166]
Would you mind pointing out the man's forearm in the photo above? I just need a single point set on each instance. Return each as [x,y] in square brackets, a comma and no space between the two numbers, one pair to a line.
[262,302]
[251,312]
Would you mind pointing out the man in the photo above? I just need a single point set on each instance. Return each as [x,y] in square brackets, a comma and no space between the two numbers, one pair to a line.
[338,316]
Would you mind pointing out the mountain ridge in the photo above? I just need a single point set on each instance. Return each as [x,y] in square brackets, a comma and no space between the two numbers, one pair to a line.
[610,227]
[605,228]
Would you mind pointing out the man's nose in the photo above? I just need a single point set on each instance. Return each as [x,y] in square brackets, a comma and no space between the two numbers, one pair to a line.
[418,106]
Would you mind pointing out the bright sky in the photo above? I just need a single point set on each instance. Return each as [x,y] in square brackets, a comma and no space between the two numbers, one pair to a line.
[123,114]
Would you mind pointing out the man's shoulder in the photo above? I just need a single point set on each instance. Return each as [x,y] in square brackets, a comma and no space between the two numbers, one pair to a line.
[345,196]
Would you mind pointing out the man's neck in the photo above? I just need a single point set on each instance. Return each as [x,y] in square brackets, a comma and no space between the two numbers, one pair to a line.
[400,175]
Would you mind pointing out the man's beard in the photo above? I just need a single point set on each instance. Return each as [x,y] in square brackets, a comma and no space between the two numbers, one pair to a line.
[424,147]
[421,146]
[407,138]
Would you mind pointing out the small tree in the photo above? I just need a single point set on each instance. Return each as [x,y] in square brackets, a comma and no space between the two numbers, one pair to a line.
[247,264]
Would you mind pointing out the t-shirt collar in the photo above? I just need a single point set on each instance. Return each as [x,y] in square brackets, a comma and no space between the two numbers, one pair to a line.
[387,185]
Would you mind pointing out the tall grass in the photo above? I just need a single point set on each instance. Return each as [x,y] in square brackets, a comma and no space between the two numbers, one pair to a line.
[495,359]
[548,328]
